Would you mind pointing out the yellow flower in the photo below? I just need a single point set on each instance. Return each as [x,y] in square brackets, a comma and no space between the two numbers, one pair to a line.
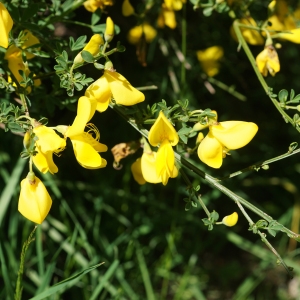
[209,59]
[164,135]
[145,30]
[222,137]
[6,24]
[267,60]
[85,146]
[109,30]
[113,85]
[34,201]
[149,169]
[26,40]
[92,5]
[230,220]
[93,46]
[127,9]
[136,169]
[251,36]
[174,4]
[15,63]
[166,18]
[47,143]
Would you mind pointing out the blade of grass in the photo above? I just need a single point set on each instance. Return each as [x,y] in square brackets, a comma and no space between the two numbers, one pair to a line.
[111,270]
[145,273]
[65,284]
[5,275]
[10,187]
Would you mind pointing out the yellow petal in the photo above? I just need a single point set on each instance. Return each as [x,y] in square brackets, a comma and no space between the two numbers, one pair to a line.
[44,161]
[127,9]
[174,4]
[93,46]
[48,139]
[85,154]
[29,40]
[162,130]
[293,36]
[109,30]
[267,60]
[135,33]
[15,64]
[123,92]
[210,151]
[6,24]
[136,169]
[165,161]
[34,201]
[230,220]
[85,110]
[234,134]
[252,37]
[148,167]
[100,91]
[167,17]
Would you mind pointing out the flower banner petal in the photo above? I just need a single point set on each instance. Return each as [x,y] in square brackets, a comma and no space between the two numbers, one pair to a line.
[123,92]
[234,134]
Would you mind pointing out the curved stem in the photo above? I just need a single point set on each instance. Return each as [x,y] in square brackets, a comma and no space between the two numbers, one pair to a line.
[261,79]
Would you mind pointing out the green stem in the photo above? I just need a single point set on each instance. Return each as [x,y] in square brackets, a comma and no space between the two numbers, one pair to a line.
[19,288]
[24,104]
[261,79]
[261,164]
[263,238]
[227,88]
[190,186]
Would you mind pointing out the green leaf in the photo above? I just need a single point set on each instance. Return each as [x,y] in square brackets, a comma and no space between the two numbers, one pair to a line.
[214,216]
[65,284]
[283,95]
[292,94]
[187,206]
[79,43]
[207,11]
[64,55]
[296,99]
[272,232]
[98,66]
[96,16]
[15,127]
[87,56]
[261,224]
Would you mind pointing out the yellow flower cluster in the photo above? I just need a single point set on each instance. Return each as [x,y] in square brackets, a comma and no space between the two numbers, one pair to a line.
[34,201]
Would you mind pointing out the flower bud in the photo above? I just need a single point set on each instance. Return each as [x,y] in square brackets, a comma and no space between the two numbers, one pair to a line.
[110,30]
[93,46]
[34,201]
[109,66]
[127,9]
[26,140]
[230,220]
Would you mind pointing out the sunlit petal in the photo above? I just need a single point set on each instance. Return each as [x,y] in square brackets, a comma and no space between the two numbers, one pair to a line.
[34,201]
[123,92]
[85,154]
[210,151]
[136,169]
[85,110]
[100,90]
[148,167]
[162,130]
[234,134]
